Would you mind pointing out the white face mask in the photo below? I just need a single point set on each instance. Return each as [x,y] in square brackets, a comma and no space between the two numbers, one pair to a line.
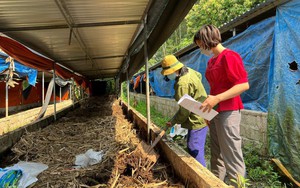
[206,52]
[172,76]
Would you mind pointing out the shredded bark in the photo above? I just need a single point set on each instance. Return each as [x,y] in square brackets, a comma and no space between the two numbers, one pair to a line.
[98,124]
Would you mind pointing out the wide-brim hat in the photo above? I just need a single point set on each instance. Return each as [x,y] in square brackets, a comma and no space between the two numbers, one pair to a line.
[170,64]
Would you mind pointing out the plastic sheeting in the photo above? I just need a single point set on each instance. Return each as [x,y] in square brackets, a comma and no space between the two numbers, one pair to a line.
[284,114]
[270,51]
[254,45]
[20,69]
[61,82]
[161,87]
[34,60]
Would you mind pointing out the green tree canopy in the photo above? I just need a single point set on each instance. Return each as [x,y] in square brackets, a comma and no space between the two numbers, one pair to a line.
[216,12]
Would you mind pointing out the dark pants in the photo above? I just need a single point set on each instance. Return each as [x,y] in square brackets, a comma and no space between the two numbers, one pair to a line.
[196,144]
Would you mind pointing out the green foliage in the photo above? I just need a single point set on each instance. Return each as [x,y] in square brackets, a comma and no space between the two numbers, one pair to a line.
[77,92]
[259,169]
[241,181]
[124,91]
[284,138]
[215,12]
[110,86]
[156,117]
[25,84]
[260,172]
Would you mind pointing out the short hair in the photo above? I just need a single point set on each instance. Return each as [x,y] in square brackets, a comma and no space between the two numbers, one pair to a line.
[209,36]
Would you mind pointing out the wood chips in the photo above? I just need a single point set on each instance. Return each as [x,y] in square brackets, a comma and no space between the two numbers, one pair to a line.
[98,124]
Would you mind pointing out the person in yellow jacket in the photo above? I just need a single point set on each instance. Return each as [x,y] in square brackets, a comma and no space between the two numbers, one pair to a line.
[187,81]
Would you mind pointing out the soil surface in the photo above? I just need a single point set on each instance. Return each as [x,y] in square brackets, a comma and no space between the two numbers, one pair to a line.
[98,124]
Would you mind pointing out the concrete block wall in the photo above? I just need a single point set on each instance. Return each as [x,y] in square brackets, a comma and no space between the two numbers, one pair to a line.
[254,129]
[253,123]
[165,106]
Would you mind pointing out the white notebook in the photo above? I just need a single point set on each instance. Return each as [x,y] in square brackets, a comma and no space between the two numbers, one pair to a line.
[192,105]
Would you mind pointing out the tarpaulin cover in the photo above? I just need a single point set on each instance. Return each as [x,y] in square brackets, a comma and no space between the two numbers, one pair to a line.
[270,51]
[161,87]
[254,45]
[284,113]
[33,60]
[31,95]
[20,69]
[137,82]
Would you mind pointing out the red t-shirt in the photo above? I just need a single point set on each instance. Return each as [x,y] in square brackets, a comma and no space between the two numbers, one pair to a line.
[222,73]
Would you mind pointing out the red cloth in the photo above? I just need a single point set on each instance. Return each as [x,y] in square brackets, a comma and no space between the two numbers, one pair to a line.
[24,55]
[222,73]
[30,59]
[137,82]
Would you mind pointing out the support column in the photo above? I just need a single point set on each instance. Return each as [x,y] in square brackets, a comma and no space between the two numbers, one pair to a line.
[54,96]
[6,99]
[73,92]
[59,94]
[128,98]
[147,80]
[43,87]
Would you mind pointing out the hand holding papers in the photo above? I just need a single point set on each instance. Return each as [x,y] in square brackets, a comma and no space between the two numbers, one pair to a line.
[192,105]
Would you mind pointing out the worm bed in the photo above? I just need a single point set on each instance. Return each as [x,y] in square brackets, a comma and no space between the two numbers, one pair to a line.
[98,124]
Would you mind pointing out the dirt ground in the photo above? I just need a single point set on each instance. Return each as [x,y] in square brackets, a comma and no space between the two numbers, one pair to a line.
[98,124]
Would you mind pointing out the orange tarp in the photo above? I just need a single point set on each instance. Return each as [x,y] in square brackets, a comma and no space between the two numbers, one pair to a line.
[30,59]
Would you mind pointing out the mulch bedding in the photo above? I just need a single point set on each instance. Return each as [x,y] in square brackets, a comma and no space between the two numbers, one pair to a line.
[98,124]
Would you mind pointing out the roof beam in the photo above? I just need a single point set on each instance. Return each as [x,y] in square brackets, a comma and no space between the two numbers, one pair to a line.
[95,70]
[94,58]
[68,17]
[64,26]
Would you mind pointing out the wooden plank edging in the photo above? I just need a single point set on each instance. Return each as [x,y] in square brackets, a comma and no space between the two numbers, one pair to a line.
[10,139]
[186,167]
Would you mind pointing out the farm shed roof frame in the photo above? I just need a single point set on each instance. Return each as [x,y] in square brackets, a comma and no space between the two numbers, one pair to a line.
[93,38]
[242,22]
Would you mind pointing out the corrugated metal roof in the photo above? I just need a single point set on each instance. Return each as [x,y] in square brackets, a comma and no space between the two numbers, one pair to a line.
[90,37]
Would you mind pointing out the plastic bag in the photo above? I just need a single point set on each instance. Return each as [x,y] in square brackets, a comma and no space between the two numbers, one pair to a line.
[90,157]
[177,130]
[30,171]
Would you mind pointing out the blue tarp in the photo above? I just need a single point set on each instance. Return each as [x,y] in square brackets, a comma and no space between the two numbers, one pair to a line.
[284,98]
[161,87]
[254,45]
[270,50]
[20,69]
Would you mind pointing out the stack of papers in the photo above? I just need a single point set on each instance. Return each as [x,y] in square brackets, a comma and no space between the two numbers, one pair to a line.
[192,105]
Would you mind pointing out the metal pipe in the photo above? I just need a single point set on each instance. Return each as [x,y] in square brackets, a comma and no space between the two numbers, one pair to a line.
[6,99]
[54,97]
[128,99]
[59,94]
[233,32]
[73,93]
[121,91]
[147,81]
[70,91]
[43,87]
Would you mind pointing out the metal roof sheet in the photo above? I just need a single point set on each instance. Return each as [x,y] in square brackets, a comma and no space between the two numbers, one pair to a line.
[90,37]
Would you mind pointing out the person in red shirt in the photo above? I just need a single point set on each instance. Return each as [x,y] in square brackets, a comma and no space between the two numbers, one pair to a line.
[227,78]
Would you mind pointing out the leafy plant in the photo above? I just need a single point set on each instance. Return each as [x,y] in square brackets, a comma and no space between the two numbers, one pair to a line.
[259,169]
[260,172]
[157,118]
[215,12]
[241,181]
